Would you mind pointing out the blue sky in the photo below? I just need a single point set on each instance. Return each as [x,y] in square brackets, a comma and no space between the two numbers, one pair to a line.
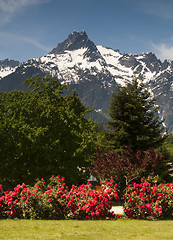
[31,28]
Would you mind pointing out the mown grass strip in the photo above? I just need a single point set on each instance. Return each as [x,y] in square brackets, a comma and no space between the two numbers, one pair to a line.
[121,229]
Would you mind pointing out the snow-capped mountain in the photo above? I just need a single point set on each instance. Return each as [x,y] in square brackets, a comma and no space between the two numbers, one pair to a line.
[7,67]
[94,71]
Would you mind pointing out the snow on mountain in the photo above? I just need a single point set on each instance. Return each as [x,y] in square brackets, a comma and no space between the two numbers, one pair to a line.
[67,65]
[4,71]
[7,67]
[95,71]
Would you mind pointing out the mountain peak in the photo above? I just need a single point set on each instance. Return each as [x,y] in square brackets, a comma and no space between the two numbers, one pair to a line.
[78,34]
[75,40]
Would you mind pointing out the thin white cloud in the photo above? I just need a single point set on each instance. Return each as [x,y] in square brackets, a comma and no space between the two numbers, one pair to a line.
[9,7]
[35,43]
[22,39]
[160,8]
[163,51]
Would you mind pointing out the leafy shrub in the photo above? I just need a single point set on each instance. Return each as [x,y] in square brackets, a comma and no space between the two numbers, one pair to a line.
[45,201]
[9,201]
[55,201]
[148,200]
[86,203]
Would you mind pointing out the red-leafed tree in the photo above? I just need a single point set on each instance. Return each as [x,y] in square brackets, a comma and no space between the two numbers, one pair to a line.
[128,165]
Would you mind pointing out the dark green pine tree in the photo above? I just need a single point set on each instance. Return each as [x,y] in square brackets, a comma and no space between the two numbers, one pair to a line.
[134,118]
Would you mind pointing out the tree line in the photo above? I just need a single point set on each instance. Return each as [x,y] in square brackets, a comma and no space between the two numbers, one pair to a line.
[45,132]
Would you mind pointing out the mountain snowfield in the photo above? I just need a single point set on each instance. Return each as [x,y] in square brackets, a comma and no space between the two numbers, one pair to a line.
[120,66]
[4,71]
[95,71]
[7,67]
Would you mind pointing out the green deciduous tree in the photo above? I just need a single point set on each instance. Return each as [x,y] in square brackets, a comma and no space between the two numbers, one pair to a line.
[43,132]
[134,118]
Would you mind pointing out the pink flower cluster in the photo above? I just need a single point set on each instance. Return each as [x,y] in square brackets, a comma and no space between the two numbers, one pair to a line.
[10,201]
[85,203]
[145,200]
[56,201]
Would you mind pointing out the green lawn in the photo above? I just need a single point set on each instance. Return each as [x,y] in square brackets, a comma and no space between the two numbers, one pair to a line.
[73,229]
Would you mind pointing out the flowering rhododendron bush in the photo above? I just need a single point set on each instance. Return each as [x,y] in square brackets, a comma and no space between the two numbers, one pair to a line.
[56,201]
[45,201]
[86,203]
[147,200]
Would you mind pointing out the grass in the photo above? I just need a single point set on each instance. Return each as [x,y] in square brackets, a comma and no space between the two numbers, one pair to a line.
[121,229]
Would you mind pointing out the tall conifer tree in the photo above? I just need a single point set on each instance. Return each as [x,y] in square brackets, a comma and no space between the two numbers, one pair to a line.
[134,118]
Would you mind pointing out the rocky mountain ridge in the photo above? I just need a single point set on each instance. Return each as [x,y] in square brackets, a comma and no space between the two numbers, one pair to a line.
[95,71]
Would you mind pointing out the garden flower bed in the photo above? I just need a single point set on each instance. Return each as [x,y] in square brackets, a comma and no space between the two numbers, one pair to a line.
[149,201]
[56,201]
